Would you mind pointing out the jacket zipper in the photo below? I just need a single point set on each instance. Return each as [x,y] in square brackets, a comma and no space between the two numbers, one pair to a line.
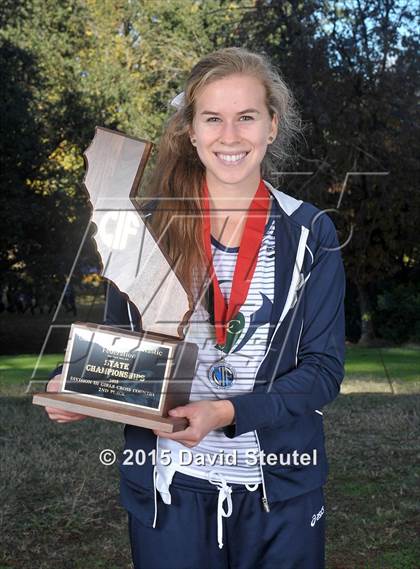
[264,499]
[298,343]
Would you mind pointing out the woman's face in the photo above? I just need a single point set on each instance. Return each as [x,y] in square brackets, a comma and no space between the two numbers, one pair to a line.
[231,128]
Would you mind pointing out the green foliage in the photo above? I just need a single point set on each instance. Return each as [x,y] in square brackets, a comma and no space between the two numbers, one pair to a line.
[67,66]
[354,69]
[397,314]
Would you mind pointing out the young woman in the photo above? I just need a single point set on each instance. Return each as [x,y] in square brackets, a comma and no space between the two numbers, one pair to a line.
[242,485]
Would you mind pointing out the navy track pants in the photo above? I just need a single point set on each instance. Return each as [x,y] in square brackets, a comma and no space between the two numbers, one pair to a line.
[290,536]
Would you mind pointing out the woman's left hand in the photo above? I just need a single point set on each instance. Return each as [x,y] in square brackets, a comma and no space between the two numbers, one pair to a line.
[203,417]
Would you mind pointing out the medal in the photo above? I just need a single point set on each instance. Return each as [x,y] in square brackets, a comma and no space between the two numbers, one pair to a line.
[222,374]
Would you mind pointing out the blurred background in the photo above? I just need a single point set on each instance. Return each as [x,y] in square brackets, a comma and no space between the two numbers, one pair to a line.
[68,66]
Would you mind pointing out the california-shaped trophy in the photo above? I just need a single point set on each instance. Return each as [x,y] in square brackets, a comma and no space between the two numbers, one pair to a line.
[110,372]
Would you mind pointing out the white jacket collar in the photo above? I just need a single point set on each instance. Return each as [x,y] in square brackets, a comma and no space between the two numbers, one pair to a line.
[286,202]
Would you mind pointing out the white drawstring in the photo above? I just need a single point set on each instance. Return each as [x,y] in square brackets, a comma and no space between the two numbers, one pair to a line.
[155,473]
[225,492]
[214,477]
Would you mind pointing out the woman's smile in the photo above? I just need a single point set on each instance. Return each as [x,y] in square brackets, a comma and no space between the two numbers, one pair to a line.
[231,159]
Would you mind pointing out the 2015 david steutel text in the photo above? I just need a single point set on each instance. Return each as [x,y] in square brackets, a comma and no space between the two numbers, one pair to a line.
[186,457]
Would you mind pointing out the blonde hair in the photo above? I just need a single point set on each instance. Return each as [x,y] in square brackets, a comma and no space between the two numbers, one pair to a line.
[179,174]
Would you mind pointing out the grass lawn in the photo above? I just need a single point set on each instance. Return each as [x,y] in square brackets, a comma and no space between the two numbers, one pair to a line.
[59,506]
[373,491]
[382,370]
[16,373]
[18,369]
[400,363]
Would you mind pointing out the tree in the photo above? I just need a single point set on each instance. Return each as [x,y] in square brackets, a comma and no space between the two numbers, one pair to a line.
[354,69]
[67,66]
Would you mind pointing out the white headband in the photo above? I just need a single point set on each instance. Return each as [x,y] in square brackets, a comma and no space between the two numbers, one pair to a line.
[178,101]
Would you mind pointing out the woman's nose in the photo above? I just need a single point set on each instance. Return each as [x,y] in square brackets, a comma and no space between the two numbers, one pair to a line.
[229,133]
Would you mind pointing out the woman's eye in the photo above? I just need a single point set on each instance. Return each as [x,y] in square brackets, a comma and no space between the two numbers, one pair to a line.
[247,118]
[212,119]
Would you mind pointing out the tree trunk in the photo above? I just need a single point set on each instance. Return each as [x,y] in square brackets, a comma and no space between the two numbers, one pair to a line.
[368,333]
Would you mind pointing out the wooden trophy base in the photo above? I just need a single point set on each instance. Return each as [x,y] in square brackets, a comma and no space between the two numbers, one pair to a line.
[110,411]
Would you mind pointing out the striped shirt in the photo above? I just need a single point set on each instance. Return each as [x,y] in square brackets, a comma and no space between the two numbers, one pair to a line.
[248,349]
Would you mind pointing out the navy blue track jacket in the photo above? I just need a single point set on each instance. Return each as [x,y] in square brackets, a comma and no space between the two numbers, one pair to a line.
[300,373]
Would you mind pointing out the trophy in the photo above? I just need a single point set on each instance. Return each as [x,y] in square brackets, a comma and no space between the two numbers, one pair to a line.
[112,373]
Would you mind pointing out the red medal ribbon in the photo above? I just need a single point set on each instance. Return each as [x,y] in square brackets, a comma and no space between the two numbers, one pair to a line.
[246,260]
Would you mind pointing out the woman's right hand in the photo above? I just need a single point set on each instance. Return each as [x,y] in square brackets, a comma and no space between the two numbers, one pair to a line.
[60,415]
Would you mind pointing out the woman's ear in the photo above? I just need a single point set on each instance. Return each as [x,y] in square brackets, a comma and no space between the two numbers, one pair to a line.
[274,127]
[192,136]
